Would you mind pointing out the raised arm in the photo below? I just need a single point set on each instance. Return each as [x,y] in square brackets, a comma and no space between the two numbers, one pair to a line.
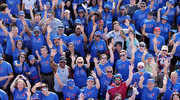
[143,56]
[99,72]
[134,49]
[10,16]
[111,52]
[3,28]
[33,22]
[92,33]
[61,48]
[41,6]
[105,34]
[58,79]
[88,60]
[167,12]
[45,16]
[118,5]
[174,48]
[96,79]
[49,42]
[52,63]
[128,81]
[143,31]
[27,81]
[13,83]
[166,62]
[12,41]
[163,89]
[155,45]
[39,58]
[33,90]
[26,29]
[158,15]
[62,10]
[153,66]
[73,58]
[171,42]
[75,12]
[83,33]
[139,3]
[141,82]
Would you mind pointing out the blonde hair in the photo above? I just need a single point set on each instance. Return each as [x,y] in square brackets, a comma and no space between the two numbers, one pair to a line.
[80,58]
[20,80]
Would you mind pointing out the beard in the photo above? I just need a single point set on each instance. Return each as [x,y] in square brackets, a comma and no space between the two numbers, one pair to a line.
[77,34]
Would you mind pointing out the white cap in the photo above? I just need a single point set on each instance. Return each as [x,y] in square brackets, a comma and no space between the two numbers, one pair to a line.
[140,63]
[164,47]
[67,11]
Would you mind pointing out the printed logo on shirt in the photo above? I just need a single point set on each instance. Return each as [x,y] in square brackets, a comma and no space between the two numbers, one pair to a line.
[171,13]
[44,63]
[99,47]
[142,16]
[76,42]
[149,25]
[2,33]
[120,67]
[26,38]
[20,96]
[80,72]
[70,95]
[1,70]
[172,89]
[37,40]
[87,94]
[151,96]
[106,82]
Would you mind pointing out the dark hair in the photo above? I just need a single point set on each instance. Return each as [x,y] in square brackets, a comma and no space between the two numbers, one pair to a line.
[22,53]
[143,3]
[3,6]
[45,47]
[175,93]
[117,95]
[21,42]
[90,3]
[52,12]
[110,40]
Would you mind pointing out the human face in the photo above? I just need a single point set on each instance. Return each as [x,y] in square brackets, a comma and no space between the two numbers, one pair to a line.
[100,25]
[93,2]
[71,47]
[37,18]
[106,9]
[118,98]
[50,16]
[44,51]
[141,47]
[62,63]
[122,11]
[78,31]
[44,90]
[90,83]
[66,14]
[150,16]
[173,78]
[139,68]
[150,85]
[175,97]
[80,62]
[32,61]
[103,59]
[157,32]
[117,81]
[143,7]
[81,14]
[22,58]
[60,6]
[116,27]
[20,86]
[123,56]
[164,52]
[14,31]
[118,47]
[68,3]
[109,72]
[60,31]
[97,37]
[21,17]
[19,44]
[36,32]
[132,2]
[56,41]
[164,21]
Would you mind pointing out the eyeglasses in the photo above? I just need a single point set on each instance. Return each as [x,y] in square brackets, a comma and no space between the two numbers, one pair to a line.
[19,43]
[109,71]
[100,24]
[44,89]
[141,45]
[143,6]
[117,79]
[140,67]
[22,57]
[164,50]
[49,15]
[62,62]
[36,31]
[98,36]
[122,55]
[163,19]
[80,62]
[103,58]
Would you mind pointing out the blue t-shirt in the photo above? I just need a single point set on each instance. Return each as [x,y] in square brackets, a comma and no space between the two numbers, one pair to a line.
[19,70]
[107,18]
[161,3]
[70,94]
[104,82]
[139,16]
[5,18]
[2,38]
[91,93]
[3,95]
[170,89]
[45,64]
[36,43]
[9,45]
[51,96]
[34,77]
[20,25]
[78,43]
[150,25]
[12,4]
[1,49]
[58,12]
[136,78]
[20,95]
[177,53]
[80,76]
[138,58]
[121,18]
[5,69]
[171,14]
[160,43]
[125,27]
[178,21]
[26,41]
[123,68]
[165,29]
[16,53]
[89,28]
[101,46]
[103,67]
[150,95]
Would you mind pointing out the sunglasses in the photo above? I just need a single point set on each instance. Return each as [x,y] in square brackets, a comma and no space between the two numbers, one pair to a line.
[80,62]
[122,55]
[143,6]
[49,15]
[122,9]
[141,45]
[117,79]
[36,31]
[62,62]
[44,89]
[164,50]
[98,36]
[22,57]
[103,58]
[109,71]
[140,67]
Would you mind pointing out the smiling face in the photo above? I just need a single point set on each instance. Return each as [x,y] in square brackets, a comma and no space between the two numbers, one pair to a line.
[19,44]
[176,97]
[150,85]
[20,86]
[90,83]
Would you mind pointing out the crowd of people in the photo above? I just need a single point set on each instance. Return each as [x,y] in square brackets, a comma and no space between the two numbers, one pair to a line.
[89,50]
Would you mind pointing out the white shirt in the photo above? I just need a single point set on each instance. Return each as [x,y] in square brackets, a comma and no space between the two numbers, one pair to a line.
[28,3]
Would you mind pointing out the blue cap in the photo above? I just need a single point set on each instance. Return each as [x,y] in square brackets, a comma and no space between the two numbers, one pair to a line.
[31,57]
[118,75]
[70,83]
[38,13]
[106,5]
[80,10]
[98,33]
[78,21]
[148,56]
[150,80]
[59,2]
[1,56]
[165,17]
[36,28]
[127,17]
[142,70]
[122,7]
[61,27]
[21,12]
[90,78]
[171,1]
[56,37]
[47,4]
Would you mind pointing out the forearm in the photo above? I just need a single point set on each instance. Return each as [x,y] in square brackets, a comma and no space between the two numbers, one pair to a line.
[52,63]
[61,51]
[166,13]
[97,83]
[34,89]
[60,83]
[75,13]
[3,78]
[62,13]
[141,84]
[84,37]
[173,51]
[91,36]
[28,84]
[22,7]
[154,70]
[11,17]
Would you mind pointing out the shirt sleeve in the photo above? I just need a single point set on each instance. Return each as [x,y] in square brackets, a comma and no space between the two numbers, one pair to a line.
[9,68]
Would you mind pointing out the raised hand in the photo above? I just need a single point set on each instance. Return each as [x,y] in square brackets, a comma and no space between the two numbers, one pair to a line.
[155,40]
[45,7]
[94,27]
[142,78]
[93,74]
[176,44]
[56,75]
[75,6]
[82,28]
[7,10]
[30,8]
[134,49]
[144,26]
[61,42]
[100,10]
[63,4]
[159,9]
[49,29]
[28,92]
[38,84]
[95,60]
[131,67]
[110,46]
[10,34]
[88,57]
[53,52]
[145,52]
[166,62]
[152,62]
[73,58]
[105,30]
[36,52]
[126,23]
[120,28]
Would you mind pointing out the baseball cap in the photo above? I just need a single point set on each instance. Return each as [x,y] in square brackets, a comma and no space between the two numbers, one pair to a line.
[56,37]
[70,43]
[98,33]
[47,4]
[150,80]
[90,78]
[142,43]
[157,29]
[142,70]
[31,57]
[148,56]
[118,75]
[106,5]
[150,13]
[80,10]
[59,2]
[164,47]
[171,1]
[100,21]
[78,21]
[1,56]
[165,17]
[70,83]
[21,12]
[120,43]
[67,11]
[36,28]
[140,64]
[127,17]
[62,59]
[61,27]
[122,7]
